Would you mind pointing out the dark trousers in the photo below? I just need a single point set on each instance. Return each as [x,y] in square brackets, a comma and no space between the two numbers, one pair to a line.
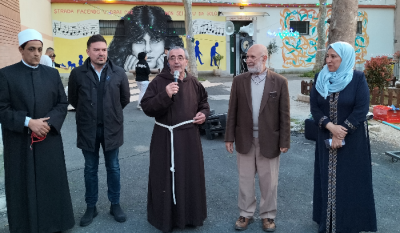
[91,170]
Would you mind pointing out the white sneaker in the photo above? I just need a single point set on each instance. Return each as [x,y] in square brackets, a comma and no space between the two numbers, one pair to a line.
[140,108]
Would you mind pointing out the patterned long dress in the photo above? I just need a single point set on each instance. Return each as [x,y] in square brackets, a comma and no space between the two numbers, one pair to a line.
[343,199]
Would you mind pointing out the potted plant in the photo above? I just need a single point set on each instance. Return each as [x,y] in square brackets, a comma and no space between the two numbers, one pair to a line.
[272,48]
[217,58]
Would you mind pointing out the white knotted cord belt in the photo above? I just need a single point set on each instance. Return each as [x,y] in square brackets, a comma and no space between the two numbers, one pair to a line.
[171,129]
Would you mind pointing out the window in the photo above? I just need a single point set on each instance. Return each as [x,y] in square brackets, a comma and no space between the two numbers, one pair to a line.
[359,27]
[112,27]
[176,28]
[301,26]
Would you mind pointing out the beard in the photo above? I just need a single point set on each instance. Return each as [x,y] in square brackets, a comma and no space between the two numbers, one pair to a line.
[256,69]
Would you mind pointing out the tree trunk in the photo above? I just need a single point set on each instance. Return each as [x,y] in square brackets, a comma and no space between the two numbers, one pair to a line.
[189,36]
[343,25]
[320,57]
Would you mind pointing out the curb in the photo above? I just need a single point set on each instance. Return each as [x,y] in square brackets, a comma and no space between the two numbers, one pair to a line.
[303,98]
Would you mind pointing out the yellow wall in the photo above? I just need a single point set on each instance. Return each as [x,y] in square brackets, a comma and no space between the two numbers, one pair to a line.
[35,15]
[70,49]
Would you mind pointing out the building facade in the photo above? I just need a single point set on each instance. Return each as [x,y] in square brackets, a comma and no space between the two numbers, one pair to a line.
[9,27]
[131,27]
[17,15]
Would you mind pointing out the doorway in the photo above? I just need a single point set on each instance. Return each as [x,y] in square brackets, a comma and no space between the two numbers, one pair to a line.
[237,56]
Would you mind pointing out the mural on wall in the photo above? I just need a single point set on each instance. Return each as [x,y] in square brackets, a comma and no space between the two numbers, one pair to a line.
[71,65]
[197,52]
[300,52]
[75,30]
[209,27]
[213,52]
[139,28]
[80,60]
[362,40]
[146,32]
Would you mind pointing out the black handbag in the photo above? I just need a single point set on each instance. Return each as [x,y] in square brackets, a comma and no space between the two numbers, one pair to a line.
[310,130]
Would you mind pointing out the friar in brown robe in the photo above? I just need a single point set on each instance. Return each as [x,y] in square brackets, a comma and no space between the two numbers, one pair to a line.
[172,103]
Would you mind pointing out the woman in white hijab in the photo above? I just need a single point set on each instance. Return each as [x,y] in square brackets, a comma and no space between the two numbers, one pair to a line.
[343,195]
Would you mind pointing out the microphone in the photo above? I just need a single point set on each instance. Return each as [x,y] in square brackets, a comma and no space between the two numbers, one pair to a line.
[176,77]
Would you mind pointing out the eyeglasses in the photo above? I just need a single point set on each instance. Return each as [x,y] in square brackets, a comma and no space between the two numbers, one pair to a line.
[180,58]
[253,57]
[53,55]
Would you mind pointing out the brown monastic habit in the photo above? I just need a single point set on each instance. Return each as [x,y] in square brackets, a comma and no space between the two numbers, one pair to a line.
[190,208]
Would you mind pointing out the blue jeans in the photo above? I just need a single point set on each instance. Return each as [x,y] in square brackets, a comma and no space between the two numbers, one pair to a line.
[91,170]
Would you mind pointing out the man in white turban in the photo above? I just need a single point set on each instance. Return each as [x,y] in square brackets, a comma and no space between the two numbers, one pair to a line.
[33,107]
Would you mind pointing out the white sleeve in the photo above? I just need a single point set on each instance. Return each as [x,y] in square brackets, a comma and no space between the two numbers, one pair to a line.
[27,119]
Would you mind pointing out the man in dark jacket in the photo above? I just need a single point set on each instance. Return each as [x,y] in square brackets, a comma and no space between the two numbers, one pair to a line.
[99,90]
[142,75]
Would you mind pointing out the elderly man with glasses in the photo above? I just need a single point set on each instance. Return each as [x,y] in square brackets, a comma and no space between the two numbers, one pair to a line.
[259,124]
[176,191]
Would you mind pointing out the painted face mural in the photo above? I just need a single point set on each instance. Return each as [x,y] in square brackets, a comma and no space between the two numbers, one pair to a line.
[153,47]
[146,31]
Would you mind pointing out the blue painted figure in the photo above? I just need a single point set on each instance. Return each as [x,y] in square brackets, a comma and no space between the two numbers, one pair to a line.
[198,53]
[71,65]
[80,60]
[213,53]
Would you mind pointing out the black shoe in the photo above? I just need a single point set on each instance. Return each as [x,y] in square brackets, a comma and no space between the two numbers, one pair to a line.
[116,211]
[87,218]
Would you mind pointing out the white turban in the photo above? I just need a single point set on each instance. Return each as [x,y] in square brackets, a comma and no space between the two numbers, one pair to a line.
[28,35]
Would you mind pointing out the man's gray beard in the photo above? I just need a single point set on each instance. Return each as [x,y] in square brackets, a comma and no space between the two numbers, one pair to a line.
[256,69]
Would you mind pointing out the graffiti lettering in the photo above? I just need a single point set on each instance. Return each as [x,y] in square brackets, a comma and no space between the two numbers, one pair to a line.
[63,11]
[88,11]
[179,13]
[194,13]
[169,13]
[212,13]
[362,40]
[299,51]
[201,13]
[114,12]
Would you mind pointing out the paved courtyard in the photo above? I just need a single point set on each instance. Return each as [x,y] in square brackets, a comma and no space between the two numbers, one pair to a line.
[295,178]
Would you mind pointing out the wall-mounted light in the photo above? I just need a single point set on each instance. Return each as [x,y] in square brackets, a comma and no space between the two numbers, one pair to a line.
[241,7]
[244,13]
[220,13]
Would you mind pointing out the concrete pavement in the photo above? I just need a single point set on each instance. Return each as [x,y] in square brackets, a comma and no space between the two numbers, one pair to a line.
[294,190]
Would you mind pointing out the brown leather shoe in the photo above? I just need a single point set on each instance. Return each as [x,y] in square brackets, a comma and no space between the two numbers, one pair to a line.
[242,223]
[268,225]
